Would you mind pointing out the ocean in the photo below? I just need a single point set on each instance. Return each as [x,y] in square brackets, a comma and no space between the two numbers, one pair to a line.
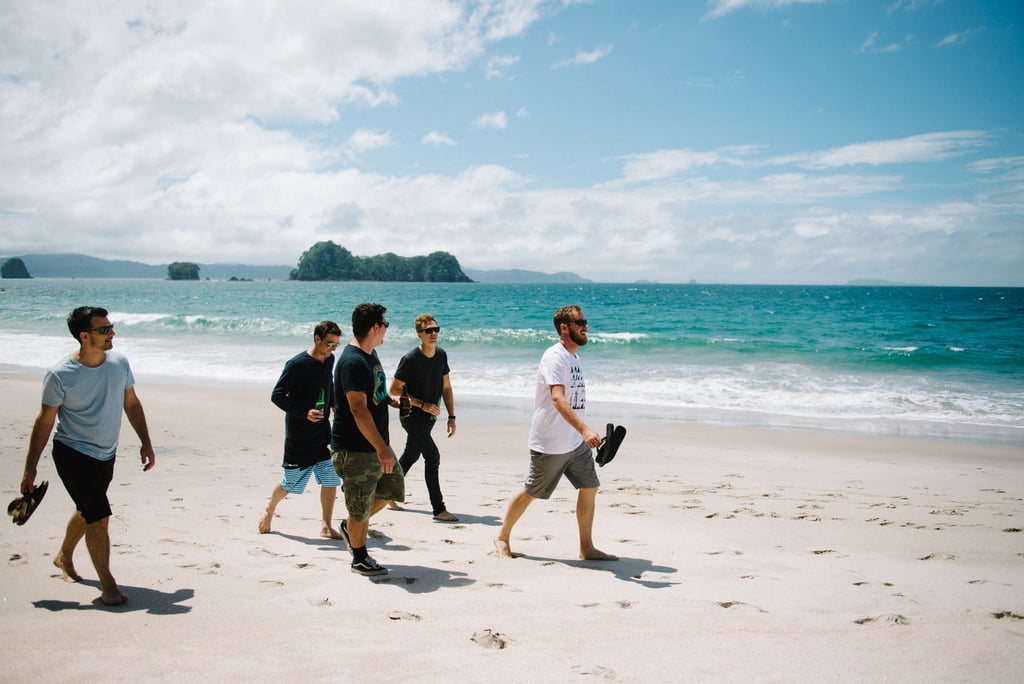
[933,362]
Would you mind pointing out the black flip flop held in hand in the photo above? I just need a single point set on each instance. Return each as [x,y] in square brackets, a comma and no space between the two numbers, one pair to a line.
[610,444]
[21,509]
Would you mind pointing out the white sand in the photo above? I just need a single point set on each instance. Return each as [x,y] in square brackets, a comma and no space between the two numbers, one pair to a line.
[746,555]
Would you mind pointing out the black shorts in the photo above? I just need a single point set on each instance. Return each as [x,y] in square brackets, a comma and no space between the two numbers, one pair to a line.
[86,480]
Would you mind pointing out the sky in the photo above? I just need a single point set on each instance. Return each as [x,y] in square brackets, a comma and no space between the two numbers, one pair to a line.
[723,141]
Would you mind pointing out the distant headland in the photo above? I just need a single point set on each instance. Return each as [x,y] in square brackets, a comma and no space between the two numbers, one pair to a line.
[84,266]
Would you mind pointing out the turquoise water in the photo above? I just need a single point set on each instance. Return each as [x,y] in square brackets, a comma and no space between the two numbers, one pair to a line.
[945,362]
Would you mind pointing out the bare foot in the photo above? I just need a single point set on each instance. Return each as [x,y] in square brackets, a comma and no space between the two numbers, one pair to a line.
[328,532]
[113,597]
[393,505]
[67,568]
[445,516]
[265,522]
[596,554]
[502,547]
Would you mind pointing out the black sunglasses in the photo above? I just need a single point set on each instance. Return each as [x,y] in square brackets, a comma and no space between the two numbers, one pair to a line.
[103,329]
[581,322]
[431,331]
[386,324]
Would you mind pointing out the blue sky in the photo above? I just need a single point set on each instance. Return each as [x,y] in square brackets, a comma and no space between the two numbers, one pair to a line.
[744,141]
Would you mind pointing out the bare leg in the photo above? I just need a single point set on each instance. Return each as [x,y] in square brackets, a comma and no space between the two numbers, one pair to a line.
[97,540]
[516,507]
[585,519]
[73,535]
[275,498]
[357,530]
[327,497]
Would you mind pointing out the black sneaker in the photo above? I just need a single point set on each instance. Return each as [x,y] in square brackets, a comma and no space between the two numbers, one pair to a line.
[343,527]
[368,567]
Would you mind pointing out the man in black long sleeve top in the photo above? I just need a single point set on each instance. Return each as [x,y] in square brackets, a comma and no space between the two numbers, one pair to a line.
[305,393]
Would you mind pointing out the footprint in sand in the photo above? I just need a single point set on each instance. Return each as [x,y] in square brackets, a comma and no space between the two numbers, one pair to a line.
[892,619]
[596,671]
[938,556]
[740,605]
[490,639]
[321,603]
[402,615]
[1004,614]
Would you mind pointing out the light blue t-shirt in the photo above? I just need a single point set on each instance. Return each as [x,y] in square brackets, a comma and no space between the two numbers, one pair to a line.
[90,402]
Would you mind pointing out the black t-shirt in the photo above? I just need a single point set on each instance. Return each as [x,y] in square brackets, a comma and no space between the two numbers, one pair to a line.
[424,377]
[357,371]
[296,392]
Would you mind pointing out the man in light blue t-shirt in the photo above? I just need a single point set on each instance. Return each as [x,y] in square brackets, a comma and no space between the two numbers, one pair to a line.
[85,394]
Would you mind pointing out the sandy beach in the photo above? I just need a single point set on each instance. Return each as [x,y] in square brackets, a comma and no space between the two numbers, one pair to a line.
[745,555]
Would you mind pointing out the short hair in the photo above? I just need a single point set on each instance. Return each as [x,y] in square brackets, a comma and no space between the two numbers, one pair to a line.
[325,328]
[422,319]
[364,317]
[80,320]
[564,315]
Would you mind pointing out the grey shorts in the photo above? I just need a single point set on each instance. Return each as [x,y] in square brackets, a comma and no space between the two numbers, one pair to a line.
[363,481]
[547,469]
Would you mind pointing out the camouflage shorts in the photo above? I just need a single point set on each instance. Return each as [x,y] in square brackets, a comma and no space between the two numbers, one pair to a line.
[362,481]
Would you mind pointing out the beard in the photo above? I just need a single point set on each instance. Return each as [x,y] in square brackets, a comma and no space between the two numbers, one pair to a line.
[577,336]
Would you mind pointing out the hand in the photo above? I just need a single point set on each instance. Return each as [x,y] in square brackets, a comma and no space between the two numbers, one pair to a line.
[314,416]
[592,439]
[387,459]
[28,481]
[148,458]
[451,428]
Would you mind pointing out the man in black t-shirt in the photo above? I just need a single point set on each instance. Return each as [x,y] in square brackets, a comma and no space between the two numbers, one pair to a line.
[423,373]
[359,440]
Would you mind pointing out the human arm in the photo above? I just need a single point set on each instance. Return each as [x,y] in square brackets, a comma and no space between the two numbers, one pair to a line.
[41,429]
[561,403]
[448,397]
[137,418]
[284,393]
[364,421]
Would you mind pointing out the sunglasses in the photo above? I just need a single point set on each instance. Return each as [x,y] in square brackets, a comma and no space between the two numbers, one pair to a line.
[386,324]
[431,331]
[581,322]
[103,329]
[332,345]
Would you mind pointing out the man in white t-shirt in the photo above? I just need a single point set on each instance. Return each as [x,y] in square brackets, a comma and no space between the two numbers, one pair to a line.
[560,439]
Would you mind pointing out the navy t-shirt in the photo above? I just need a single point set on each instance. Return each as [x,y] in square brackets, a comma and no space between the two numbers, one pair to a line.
[424,377]
[357,371]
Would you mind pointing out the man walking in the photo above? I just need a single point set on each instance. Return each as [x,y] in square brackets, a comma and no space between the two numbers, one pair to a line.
[305,392]
[85,394]
[360,450]
[423,375]
[560,440]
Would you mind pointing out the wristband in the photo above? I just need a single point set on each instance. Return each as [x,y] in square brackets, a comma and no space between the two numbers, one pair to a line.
[451,417]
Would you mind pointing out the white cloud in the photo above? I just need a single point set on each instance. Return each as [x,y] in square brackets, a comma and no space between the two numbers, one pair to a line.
[497,120]
[582,57]
[437,138]
[870,45]
[496,67]
[928,147]
[364,140]
[720,8]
